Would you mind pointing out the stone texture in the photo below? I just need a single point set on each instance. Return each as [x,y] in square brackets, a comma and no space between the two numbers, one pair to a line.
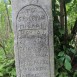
[33,32]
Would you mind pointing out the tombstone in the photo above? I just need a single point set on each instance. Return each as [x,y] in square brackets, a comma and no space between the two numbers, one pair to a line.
[33,33]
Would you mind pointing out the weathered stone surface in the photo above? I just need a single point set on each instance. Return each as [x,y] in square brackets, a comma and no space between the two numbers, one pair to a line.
[33,29]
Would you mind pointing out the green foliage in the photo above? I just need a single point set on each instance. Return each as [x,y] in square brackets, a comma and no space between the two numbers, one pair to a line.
[7,64]
[7,68]
[67,1]
[65,49]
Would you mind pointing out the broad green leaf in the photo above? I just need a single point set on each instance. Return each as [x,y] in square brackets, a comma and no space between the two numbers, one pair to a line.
[68,57]
[1,75]
[61,54]
[67,64]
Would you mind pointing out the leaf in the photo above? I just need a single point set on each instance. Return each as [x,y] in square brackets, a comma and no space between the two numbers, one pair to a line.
[61,54]
[67,64]
[62,58]
[75,74]
[61,31]
[63,74]
[1,75]
[72,50]
[68,57]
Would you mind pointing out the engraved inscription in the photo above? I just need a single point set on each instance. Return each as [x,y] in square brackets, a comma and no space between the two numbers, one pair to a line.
[32,38]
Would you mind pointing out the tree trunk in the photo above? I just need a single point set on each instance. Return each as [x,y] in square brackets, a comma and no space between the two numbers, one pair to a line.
[62,13]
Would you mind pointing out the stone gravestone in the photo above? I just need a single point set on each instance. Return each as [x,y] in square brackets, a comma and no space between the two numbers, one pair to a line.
[33,29]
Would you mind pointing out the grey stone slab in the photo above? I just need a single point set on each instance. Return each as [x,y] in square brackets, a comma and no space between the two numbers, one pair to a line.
[33,33]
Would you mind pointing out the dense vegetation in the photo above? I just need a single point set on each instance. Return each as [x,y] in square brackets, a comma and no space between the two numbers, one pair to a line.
[7,66]
[65,41]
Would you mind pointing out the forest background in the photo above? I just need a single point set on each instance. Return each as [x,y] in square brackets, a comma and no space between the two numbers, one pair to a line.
[65,38]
